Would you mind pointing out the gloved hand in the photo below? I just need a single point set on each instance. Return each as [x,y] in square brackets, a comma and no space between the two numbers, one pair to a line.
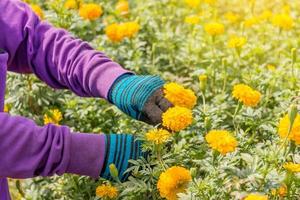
[120,148]
[141,97]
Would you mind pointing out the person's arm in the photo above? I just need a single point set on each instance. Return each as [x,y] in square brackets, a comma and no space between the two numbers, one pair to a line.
[53,54]
[28,150]
[65,62]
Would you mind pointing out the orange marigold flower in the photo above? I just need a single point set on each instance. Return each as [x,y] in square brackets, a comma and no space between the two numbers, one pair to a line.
[246,95]
[106,191]
[90,11]
[173,181]
[221,141]
[37,10]
[179,96]
[122,7]
[177,118]
[283,129]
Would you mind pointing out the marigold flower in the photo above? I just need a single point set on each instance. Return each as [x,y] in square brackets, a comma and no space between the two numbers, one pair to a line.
[158,136]
[214,28]
[246,95]
[221,141]
[256,197]
[192,19]
[53,116]
[90,11]
[193,3]
[210,2]
[232,17]
[130,29]
[122,7]
[271,67]
[177,118]
[282,190]
[72,4]
[237,42]
[114,33]
[6,108]
[283,129]
[292,167]
[266,15]
[173,181]
[37,10]
[179,96]
[106,191]
[283,21]
[117,32]
[251,22]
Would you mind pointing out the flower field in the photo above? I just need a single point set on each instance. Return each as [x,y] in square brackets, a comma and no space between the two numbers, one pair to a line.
[232,71]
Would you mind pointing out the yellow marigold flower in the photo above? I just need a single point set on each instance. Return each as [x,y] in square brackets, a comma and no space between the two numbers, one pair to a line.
[90,11]
[114,32]
[192,19]
[158,136]
[232,17]
[71,4]
[214,28]
[177,118]
[266,15]
[106,191]
[37,10]
[122,7]
[283,21]
[237,42]
[286,9]
[130,29]
[173,181]
[271,67]
[246,95]
[179,96]
[251,22]
[256,197]
[210,2]
[6,108]
[282,190]
[221,141]
[193,3]
[54,117]
[292,167]
[283,129]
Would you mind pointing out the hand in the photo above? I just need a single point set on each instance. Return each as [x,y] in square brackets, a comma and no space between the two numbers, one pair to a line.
[141,97]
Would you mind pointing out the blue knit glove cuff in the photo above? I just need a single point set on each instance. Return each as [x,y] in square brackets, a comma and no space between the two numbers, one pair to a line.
[120,148]
[130,92]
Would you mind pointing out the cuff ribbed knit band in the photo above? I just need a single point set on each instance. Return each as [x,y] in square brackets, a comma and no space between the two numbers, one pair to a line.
[130,92]
[120,148]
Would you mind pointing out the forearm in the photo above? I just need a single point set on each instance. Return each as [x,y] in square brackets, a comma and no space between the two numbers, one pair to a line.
[28,150]
[53,54]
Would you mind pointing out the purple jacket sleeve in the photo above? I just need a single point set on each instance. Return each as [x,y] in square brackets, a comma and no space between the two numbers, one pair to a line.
[28,150]
[53,54]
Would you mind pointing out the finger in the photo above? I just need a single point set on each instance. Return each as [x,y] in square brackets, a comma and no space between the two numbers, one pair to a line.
[164,104]
[153,113]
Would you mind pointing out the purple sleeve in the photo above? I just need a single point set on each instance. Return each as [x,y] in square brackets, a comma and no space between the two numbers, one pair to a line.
[53,54]
[28,150]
